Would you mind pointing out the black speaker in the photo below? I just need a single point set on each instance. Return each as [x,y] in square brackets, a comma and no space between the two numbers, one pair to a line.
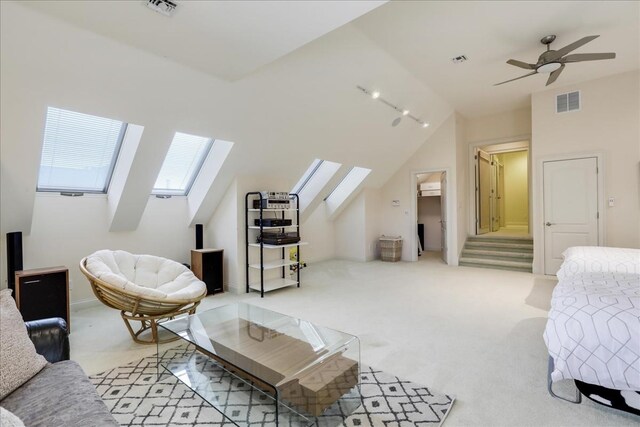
[14,257]
[199,242]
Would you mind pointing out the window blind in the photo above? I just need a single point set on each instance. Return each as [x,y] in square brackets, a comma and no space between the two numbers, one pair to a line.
[79,151]
[182,164]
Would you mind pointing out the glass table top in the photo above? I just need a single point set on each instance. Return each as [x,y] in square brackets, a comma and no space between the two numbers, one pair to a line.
[300,367]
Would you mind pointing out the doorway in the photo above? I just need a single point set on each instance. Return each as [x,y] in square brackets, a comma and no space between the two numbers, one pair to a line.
[570,198]
[431,213]
[501,178]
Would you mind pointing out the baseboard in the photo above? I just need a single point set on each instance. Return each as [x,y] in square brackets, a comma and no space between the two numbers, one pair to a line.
[84,304]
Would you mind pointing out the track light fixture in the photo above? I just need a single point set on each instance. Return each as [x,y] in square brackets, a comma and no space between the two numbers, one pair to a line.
[403,111]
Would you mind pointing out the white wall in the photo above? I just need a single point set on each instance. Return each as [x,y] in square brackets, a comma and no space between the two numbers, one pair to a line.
[437,153]
[350,229]
[608,123]
[66,229]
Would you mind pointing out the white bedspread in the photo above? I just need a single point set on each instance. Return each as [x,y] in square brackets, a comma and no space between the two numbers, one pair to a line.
[593,331]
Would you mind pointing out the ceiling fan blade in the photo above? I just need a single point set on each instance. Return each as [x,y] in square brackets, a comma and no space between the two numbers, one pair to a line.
[579,57]
[573,46]
[521,77]
[554,75]
[521,64]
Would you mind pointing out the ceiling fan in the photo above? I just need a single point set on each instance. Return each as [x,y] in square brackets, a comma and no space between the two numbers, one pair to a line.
[553,61]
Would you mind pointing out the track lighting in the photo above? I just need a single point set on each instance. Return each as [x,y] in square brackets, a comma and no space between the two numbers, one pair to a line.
[405,113]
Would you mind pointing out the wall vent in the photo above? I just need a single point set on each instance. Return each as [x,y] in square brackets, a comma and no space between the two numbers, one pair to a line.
[566,102]
[165,7]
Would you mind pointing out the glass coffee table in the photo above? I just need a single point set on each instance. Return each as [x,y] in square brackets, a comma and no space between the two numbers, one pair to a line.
[257,367]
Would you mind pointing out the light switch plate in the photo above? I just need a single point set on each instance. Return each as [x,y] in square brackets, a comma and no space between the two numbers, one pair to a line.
[612,202]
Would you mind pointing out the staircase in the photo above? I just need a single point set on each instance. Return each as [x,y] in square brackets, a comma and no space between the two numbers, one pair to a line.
[503,253]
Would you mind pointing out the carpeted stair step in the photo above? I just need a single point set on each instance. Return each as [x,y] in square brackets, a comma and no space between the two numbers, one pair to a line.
[498,254]
[471,261]
[475,244]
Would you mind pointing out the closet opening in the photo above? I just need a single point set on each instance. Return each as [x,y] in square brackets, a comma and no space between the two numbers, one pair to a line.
[431,214]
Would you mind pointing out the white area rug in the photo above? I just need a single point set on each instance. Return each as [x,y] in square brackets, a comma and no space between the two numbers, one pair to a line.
[136,398]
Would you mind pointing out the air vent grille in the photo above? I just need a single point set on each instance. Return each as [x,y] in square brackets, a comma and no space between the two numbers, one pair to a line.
[165,7]
[566,102]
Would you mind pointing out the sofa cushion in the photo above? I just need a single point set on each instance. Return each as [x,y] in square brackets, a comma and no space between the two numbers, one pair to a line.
[8,419]
[18,358]
[60,395]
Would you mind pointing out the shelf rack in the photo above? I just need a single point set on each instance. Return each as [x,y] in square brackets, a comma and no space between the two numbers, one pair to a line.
[266,285]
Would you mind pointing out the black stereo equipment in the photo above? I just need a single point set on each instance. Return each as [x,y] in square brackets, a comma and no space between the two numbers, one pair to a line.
[272,204]
[14,257]
[279,238]
[272,222]
[283,195]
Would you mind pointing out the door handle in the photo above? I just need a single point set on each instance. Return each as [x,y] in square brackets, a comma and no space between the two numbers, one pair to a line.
[549,224]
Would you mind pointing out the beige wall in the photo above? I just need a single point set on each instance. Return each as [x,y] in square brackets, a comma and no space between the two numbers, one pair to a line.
[498,126]
[608,123]
[437,153]
[516,192]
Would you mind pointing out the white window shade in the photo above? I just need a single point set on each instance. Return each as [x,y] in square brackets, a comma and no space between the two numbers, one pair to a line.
[182,164]
[79,151]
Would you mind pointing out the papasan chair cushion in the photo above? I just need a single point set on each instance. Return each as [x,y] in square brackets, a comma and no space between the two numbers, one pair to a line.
[145,288]
[146,275]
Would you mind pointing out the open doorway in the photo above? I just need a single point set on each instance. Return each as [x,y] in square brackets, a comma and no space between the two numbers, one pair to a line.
[502,189]
[431,213]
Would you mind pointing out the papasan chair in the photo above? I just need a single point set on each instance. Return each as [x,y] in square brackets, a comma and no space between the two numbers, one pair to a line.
[145,288]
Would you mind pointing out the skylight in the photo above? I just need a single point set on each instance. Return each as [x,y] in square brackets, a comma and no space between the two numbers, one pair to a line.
[314,180]
[79,151]
[182,164]
[346,187]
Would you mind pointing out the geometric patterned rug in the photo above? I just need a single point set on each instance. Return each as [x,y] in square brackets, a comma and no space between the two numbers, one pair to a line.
[136,399]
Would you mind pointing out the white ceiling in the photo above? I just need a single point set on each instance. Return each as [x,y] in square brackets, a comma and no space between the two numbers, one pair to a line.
[228,39]
[424,36]
[231,39]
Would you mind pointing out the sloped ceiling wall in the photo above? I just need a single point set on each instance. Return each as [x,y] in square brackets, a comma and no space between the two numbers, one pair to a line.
[301,107]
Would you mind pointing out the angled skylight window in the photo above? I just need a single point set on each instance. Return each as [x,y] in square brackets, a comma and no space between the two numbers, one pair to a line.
[182,164]
[79,151]
[314,180]
[351,182]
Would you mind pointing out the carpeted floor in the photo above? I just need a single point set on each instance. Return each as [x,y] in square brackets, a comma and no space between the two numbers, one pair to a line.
[136,398]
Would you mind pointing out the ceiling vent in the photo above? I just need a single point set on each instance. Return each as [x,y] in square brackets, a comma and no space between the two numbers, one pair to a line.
[459,59]
[165,7]
[566,102]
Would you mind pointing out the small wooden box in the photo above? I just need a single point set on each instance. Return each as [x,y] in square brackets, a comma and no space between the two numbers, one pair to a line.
[42,293]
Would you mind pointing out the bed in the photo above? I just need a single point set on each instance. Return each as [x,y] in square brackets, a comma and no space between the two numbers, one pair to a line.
[593,328]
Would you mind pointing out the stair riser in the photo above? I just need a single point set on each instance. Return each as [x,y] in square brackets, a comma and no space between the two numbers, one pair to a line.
[498,246]
[521,257]
[492,261]
[500,240]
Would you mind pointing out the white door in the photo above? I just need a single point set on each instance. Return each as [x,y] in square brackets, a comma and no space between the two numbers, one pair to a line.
[570,207]
[483,192]
[443,215]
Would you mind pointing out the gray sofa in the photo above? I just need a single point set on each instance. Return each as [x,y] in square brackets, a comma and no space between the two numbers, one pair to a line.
[60,394]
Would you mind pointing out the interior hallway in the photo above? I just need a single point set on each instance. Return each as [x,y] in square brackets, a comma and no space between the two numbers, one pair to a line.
[472,333]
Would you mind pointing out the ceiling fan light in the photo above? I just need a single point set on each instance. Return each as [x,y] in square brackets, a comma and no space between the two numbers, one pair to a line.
[548,68]
[405,112]
[375,94]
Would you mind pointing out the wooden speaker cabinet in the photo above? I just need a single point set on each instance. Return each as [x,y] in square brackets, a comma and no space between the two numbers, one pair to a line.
[42,293]
[206,264]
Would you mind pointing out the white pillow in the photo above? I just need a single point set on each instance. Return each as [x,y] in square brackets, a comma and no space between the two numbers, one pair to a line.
[18,358]
[9,419]
[599,259]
